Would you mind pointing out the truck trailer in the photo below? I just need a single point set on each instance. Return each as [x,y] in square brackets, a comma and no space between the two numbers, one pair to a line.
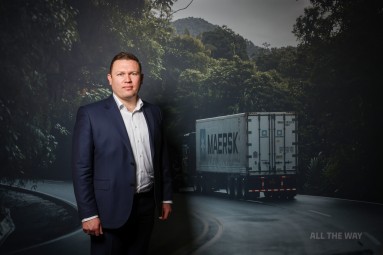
[246,153]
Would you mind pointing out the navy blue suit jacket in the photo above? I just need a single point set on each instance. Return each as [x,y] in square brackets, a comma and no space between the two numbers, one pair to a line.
[103,166]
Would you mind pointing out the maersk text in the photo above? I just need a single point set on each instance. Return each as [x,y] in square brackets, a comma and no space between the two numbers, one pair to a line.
[222,143]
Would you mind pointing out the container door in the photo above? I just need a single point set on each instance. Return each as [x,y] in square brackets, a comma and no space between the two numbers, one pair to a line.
[260,143]
[285,143]
[272,143]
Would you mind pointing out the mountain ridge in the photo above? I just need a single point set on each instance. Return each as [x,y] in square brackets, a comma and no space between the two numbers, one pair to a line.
[197,26]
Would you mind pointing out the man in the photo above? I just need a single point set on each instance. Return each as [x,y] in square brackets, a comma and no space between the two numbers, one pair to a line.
[119,164]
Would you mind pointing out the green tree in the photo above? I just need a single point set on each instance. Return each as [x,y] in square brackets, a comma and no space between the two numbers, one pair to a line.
[340,45]
[185,56]
[55,56]
[28,68]
[224,43]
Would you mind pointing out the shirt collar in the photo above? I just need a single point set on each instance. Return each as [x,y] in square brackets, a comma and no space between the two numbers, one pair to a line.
[121,106]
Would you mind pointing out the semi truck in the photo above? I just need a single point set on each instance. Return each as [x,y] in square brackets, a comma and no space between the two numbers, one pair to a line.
[244,154]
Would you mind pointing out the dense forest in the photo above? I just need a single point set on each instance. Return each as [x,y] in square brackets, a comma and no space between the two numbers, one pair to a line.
[55,56]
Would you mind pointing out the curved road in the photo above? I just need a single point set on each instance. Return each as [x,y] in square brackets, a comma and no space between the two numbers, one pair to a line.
[217,225]
[306,225]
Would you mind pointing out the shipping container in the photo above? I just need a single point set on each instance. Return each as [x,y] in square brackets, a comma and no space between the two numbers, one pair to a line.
[246,153]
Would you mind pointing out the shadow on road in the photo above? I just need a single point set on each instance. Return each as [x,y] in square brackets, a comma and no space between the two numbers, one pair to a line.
[38,218]
[177,232]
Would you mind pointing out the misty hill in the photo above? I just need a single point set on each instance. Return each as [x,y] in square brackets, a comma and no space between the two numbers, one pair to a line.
[192,26]
[197,26]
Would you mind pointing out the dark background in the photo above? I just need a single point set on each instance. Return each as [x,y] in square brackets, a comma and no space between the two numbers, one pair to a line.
[55,55]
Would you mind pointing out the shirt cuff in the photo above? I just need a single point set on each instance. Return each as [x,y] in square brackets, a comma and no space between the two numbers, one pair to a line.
[167,202]
[90,218]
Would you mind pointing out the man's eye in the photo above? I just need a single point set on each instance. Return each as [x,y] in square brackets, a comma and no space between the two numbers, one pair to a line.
[135,73]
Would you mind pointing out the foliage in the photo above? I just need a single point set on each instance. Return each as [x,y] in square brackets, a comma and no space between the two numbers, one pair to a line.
[224,43]
[193,26]
[315,179]
[47,75]
[28,64]
[330,80]
[341,49]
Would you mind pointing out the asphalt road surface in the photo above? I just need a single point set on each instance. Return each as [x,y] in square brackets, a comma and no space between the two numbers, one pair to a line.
[215,224]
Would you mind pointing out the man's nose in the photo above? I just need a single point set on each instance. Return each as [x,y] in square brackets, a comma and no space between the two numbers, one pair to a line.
[127,79]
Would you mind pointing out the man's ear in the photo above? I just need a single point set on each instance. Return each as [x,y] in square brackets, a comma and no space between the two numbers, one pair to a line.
[109,76]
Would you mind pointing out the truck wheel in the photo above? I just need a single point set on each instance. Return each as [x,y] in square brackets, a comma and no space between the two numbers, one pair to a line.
[284,195]
[197,185]
[205,186]
[237,192]
[290,196]
[230,187]
[244,190]
[197,188]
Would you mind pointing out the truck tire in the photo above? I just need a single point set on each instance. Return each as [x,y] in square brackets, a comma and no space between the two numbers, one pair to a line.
[237,187]
[197,185]
[267,194]
[244,190]
[205,186]
[290,196]
[230,187]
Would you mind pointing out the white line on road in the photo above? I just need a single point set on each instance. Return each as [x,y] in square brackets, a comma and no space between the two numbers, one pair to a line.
[373,239]
[254,201]
[320,213]
[75,232]
[186,249]
[205,227]
[344,199]
[211,241]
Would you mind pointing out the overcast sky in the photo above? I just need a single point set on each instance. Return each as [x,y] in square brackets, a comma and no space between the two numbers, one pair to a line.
[259,21]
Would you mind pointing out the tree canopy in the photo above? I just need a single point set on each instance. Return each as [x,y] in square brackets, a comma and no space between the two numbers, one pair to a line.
[55,56]
[340,47]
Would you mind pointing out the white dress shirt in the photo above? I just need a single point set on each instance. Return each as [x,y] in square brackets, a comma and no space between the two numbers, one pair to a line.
[138,133]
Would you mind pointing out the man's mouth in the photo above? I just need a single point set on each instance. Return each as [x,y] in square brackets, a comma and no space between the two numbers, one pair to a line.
[127,87]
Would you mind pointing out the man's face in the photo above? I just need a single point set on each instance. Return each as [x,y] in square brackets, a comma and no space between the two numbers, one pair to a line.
[125,79]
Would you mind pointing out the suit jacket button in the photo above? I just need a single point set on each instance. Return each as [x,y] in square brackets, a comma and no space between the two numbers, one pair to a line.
[132,185]
[132,163]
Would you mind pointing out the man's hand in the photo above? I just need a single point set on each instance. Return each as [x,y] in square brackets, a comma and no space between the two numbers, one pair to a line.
[166,210]
[92,227]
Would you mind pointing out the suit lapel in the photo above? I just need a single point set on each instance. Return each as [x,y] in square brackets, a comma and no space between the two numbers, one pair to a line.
[150,122]
[115,114]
